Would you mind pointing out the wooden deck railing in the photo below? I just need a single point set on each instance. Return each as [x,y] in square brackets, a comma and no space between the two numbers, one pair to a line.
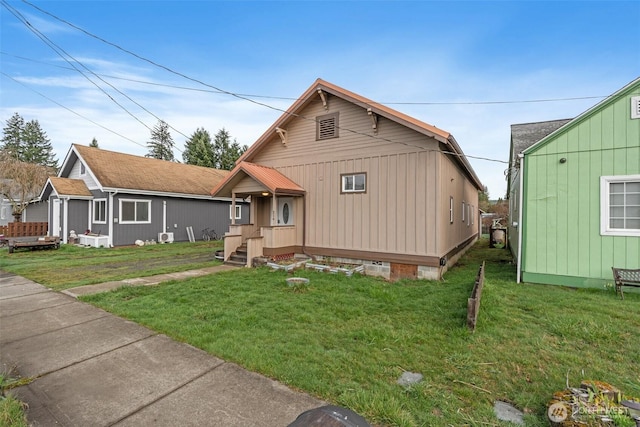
[24,229]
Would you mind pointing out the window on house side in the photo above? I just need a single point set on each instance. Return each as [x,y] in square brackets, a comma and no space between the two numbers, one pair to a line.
[463,208]
[83,169]
[238,212]
[100,211]
[327,126]
[620,205]
[451,210]
[135,211]
[354,183]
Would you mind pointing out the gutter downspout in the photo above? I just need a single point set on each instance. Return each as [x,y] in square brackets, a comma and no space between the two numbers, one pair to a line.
[520,215]
[164,216]
[111,194]
[65,219]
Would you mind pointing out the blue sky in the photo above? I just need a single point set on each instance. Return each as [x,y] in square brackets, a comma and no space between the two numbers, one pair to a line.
[443,62]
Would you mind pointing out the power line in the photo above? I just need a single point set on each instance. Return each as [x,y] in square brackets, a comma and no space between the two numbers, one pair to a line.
[236,95]
[58,49]
[288,98]
[72,111]
[61,52]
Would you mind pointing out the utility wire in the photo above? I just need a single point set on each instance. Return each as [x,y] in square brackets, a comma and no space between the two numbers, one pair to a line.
[61,52]
[236,95]
[56,48]
[289,98]
[72,111]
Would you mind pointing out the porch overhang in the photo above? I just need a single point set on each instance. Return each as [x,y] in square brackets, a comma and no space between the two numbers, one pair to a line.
[269,182]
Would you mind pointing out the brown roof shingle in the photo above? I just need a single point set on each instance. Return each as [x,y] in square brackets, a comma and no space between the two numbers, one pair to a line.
[70,187]
[126,171]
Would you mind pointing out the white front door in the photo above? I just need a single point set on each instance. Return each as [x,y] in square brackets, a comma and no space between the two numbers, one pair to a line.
[55,218]
[285,211]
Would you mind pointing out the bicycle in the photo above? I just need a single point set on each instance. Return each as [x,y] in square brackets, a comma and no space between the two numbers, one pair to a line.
[209,234]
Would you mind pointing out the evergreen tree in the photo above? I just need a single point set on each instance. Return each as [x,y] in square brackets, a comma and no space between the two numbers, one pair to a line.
[37,147]
[198,150]
[161,143]
[12,136]
[226,152]
[94,143]
[27,142]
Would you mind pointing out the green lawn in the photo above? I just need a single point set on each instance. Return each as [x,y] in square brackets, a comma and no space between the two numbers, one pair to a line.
[72,266]
[348,340]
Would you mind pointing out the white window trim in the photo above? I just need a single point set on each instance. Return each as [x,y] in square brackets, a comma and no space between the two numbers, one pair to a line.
[3,212]
[238,212]
[635,107]
[83,169]
[148,202]
[353,175]
[463,209]
[605,229]
[93,216]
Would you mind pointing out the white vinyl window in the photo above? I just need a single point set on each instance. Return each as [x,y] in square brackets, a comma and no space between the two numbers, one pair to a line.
[238,212]
[620,205]
[463,209]
[354,183]
[100,211]
[135,211]
[83,169]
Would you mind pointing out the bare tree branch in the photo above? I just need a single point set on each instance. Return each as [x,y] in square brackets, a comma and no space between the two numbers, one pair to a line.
[21,182]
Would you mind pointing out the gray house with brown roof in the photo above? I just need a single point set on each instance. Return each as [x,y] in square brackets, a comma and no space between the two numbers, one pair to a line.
[116,199]
[340,176]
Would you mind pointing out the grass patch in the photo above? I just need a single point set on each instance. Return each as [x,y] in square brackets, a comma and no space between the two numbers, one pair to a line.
[348,340]
[72,266]
[12,410]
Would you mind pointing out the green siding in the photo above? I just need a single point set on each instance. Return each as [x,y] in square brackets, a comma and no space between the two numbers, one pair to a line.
[561,223]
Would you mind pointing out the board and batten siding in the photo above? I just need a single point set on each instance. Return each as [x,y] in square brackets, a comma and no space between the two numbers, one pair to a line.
[181,213]
[75,174]
[400,210]
[562,241]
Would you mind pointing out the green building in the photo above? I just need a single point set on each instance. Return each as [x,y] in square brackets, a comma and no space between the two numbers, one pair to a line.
[575,195]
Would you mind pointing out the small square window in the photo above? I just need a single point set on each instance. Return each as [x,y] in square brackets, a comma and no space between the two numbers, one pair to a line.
[354,183]
[327,126]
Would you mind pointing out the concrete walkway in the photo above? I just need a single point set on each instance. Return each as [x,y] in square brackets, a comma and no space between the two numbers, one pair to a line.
[91,368]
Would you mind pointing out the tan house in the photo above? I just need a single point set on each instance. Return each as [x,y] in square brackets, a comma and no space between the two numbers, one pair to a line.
[340,176]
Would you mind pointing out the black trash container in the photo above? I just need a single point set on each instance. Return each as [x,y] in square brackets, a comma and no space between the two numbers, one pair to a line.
[329,416]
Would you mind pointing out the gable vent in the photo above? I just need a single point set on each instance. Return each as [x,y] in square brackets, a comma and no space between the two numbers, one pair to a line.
[327,127]
[635,107]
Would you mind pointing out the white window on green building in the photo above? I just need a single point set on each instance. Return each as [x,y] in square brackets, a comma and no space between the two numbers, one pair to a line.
[620,205]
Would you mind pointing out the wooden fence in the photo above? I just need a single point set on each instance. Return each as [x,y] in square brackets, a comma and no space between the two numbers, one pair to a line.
[24,229]
[473,303]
